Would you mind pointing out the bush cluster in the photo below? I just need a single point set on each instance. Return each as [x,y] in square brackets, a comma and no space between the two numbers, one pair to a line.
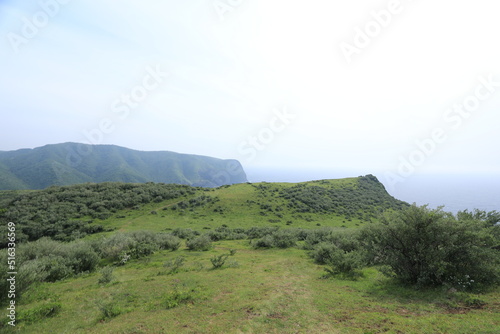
[62,213]
[134,245]
[200,243]
[417,246]
[427,247]
[47,260]
[277,239]
[363,201]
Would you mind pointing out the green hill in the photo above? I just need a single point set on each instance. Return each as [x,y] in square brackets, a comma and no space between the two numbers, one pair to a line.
[65,213]
[244,258]
[71,163]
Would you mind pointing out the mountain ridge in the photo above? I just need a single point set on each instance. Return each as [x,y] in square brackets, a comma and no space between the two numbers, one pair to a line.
[74,163]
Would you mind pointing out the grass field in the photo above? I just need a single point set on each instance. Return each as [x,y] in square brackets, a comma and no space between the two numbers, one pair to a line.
[238,206]
[257,291]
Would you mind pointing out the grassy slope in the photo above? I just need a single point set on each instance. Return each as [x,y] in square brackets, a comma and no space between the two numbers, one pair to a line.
[240,206]
[271,291]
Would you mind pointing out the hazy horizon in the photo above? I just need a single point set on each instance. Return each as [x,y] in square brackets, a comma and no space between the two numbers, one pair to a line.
[397,89]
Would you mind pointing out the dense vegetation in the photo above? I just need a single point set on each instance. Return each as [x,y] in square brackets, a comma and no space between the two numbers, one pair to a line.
[71,163]
[366,200]
[426,247]
[70,212]
[67,213]
[417,246]
[204,252]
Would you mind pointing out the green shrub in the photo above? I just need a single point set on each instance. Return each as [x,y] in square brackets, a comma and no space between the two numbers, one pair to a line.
[219,260]
[135,244]
[201,243]
[106,275]
[278,239]
[427,247]
[220,233]
[323,252]
[168,241]
[109,309]
[39,249]
[264,242]
[236,236]
[260,231]
[175,265]
[348,240]
[185,233]
[40,312]
[81,257]
[178,297]
[284,239]
[143,249]
[29,273]
[345,264]
[114,246]
[56,267]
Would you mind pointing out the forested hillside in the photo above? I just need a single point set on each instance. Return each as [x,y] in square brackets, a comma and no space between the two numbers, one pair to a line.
[71,163]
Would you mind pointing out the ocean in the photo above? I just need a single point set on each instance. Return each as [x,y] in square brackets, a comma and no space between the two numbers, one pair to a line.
[455,192]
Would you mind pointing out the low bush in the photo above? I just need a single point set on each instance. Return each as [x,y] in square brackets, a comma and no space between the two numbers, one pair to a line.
[168,241]
[219,260]
[264,242]
[106,275]
[284,238]
[40,312]
[345,264]
[114,246]
[323,252]
[278,239]
[425,247]
[201,243]
[260,231]
[236,236]
[185,233]
[175,265]
[109,309]
[177,297]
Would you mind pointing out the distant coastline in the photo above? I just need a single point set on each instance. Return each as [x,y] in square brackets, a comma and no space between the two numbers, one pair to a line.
[456,192]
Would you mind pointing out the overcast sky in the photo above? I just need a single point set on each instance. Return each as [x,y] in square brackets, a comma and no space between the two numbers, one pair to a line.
[393,88]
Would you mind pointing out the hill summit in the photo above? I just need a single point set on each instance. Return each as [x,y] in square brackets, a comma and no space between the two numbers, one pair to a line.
[73,163]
